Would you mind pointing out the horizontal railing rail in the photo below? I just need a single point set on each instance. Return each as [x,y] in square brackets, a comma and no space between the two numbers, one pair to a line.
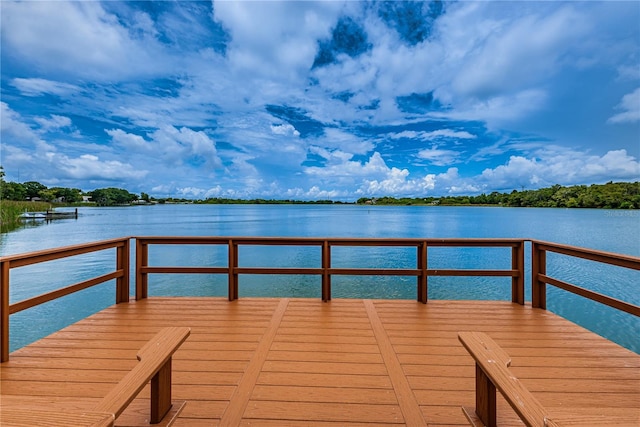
[326,270]
[539,277]
[120,274]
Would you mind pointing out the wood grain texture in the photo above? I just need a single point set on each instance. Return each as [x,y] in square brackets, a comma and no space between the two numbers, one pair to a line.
[324,364]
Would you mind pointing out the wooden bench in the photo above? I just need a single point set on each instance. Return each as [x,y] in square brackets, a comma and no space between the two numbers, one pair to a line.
[155,366]
[492,372]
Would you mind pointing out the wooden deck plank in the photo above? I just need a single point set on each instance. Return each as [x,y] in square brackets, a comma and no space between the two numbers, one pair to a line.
[277,362]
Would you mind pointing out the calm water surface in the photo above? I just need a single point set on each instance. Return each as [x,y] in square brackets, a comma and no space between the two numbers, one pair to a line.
[615,231]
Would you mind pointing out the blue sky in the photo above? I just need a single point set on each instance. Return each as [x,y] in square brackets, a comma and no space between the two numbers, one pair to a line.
[320,100]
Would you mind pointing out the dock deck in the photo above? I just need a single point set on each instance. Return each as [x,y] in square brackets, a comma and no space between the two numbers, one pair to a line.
[280,362]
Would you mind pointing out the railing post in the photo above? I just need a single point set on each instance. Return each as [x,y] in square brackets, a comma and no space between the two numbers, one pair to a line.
[122,263]
[517,283]
[233,275]
[142,278]
[4,310]
[326,276]
[423,286]
[538,266]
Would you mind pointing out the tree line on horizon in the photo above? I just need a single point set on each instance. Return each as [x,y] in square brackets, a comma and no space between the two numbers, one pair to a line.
[612,195]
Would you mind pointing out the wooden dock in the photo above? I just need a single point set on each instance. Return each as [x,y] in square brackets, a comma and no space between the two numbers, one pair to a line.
[49,215]
[290,362]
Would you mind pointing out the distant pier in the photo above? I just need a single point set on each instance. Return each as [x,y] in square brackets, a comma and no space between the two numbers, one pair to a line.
[49,215]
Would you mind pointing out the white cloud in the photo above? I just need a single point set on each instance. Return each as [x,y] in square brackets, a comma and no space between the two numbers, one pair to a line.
[129,141]
[285,129]
[345,141]
[436,134]
[53,123]
[558,165]
[38,87]
[11,123]
[630,105]
[76,39]
[275,40]
[179,145]
[517,52]
[90,167]
[439,157]
[341,166]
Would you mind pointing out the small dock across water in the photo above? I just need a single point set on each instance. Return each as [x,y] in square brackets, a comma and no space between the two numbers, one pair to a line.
[49,215]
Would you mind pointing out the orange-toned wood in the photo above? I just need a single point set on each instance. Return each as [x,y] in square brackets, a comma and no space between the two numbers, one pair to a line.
[626,261]
[155,365]
[5,268]
[539,277]
[50,296]
[406,399]
[240,398]
[40,418]
[232,272]
[122,264]
[491,374]
[326,276]
[161,393]
[323,356]
[586,418]
[538,268]
[422,255]
[325,270]
[29,258]
[594,296]
[142,260]
[517,282]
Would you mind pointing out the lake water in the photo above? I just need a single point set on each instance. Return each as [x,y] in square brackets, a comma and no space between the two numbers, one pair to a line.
[614,231]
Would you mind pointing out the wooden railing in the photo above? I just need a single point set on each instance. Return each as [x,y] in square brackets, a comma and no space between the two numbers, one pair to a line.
[539,277]
[120,274]
[422,272]
[326,270]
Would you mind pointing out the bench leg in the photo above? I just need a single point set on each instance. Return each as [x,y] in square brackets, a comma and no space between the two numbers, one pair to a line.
[485,398]
[161,393]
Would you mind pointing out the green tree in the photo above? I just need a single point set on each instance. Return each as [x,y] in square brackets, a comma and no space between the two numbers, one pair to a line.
[33,188]
[67,195]
[12,191]
[112,196]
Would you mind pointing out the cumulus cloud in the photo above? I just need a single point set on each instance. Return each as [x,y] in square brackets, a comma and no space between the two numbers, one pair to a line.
[285,130]
[630,105]
[281,46]
[179,145]
[129,141]
[91,167]
[342,166]
[563,166]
